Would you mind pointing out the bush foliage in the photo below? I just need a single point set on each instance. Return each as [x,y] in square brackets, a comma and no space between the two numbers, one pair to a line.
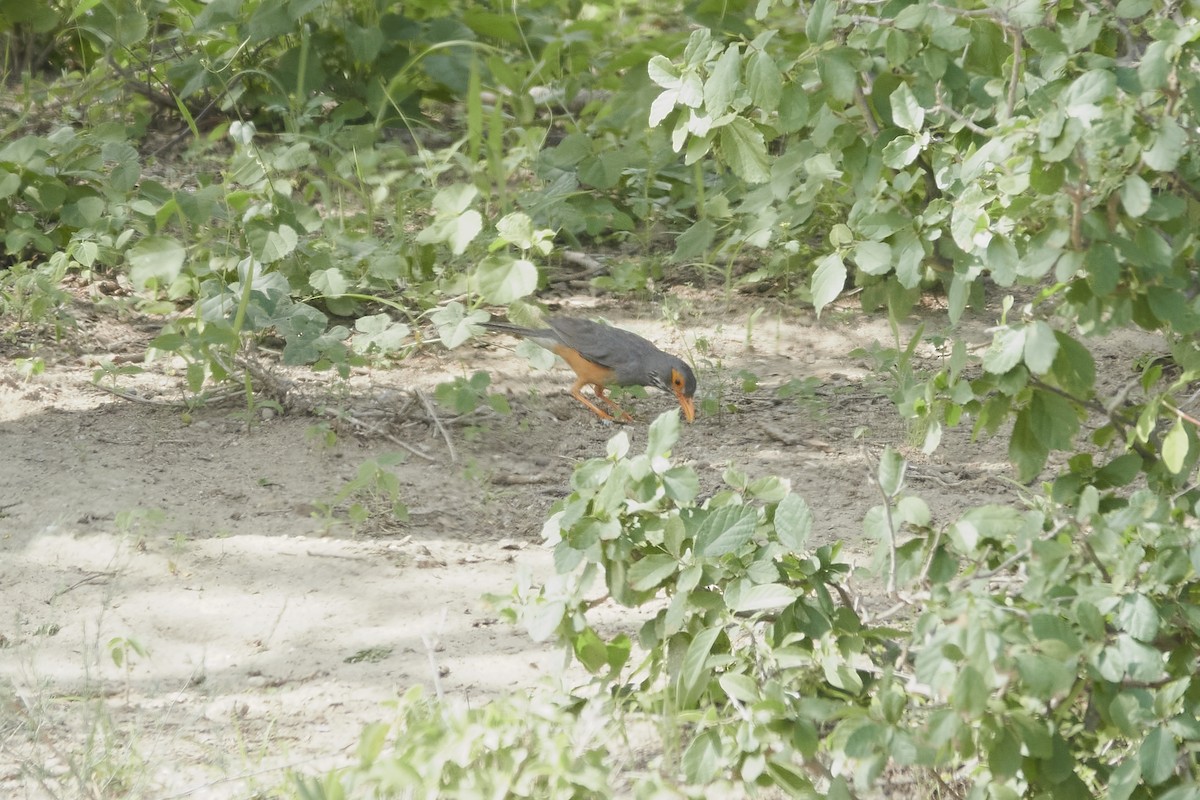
[344,160]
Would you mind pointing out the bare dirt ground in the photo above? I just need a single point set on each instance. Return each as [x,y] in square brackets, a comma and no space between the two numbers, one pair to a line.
[259,634]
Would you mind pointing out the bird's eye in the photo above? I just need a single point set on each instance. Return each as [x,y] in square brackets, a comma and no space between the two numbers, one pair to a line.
[676,379]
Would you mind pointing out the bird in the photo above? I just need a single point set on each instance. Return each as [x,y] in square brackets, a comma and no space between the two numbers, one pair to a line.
[602,355]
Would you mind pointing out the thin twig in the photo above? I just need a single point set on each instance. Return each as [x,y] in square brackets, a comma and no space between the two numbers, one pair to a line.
[1015,81]
[891,525]
[436,421]
[92,577]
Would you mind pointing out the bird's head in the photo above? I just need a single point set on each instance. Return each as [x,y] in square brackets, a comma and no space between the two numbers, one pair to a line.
[675,376]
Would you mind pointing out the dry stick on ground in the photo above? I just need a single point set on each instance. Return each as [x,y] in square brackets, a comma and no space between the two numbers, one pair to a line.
[433,415]
[281,390]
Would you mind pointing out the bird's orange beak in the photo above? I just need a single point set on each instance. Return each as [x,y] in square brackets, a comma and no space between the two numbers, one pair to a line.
[689,407]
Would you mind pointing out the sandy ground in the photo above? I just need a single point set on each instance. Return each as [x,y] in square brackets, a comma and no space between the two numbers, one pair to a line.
[259,633]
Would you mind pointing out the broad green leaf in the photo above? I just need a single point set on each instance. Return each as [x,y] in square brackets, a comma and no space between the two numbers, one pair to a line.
[663,434]
[745,150]
[648,572]
[694,243]
[873,258]
[694,672]
[157,259]
[914,511]
[1041,347]
[1088,90]
[793,522]
[765,82]
[909,258]
[1168,147]
[379,331]
[970,692]
[724,81]
[329,282]
[724,530]
[542,619]
[741,687]
[1004,753]
[455,199]
[455,325]
[1175,447]
[1135,196]
[663,72]
[1005,352]
[1073,369]
[828,281]
[906,111]
[820,21]
[891,471]
[1158,756]
[702,759]
[901,151]
[839,73]
[1046,678]
[681,484]
[759,597]
[1155,65]
[1138,617]
[1026,450]
[503,279]
[1053,419]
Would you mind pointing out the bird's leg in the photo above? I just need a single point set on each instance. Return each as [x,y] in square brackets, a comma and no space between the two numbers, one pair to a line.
[625,417]
[577,393]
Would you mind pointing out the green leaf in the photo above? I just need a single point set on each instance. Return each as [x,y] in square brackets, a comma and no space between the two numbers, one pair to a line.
[724,530]
[381,332]
[156,261]
[828,281]
[745,150]
[724,81]
[765,82]
[648,572]
[278,244]
[1158,756]
[702,758]
[970,692]
[820,21]
[1135,196]
[454,325]
[329,282]
[1054,420]
[891,471]
[740,687]
[901,151]
[681,484]
[1168,147]
[1005,352]
[873,258]
[758,597]
[663,434]
[695,241]
[1138,617]
[1175,447]
[1041,347]
[1073,368]
[1046,678]
[503,279]
[793,522]
[1085,92]
[906,111]
[694,672]
[1026,450]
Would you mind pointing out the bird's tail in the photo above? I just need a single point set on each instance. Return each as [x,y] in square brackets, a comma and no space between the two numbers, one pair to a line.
[515,330]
